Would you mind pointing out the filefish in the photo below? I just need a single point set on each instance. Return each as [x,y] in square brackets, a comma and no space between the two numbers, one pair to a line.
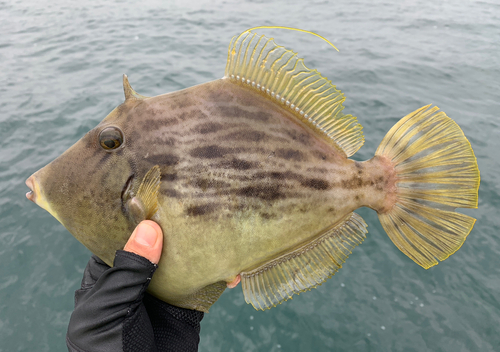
[250,179]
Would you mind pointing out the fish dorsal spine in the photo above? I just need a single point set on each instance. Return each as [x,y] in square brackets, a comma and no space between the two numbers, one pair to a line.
[130,93]
[258,62]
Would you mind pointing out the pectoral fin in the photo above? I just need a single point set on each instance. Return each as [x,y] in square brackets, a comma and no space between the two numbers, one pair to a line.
[145,203]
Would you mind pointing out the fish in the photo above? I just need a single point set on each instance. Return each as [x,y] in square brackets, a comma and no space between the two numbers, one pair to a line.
[250,179]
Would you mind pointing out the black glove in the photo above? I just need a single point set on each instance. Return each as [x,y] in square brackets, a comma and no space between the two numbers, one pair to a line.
[114,313]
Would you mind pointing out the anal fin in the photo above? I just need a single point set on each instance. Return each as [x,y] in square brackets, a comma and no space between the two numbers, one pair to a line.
[305,267]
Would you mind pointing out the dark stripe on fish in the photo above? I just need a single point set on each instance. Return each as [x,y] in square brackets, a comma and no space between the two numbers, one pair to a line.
[151,125]
[267,192]
[204,209]
[211,152]
[192,114]
[290,154]
[300,137]
[237,164]
[247,136]
[208,127]
[237,112]
[316,183]
[168,177]
[204,183]
[163,159]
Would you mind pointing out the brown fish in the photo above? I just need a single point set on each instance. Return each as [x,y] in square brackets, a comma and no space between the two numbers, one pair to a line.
[249,178]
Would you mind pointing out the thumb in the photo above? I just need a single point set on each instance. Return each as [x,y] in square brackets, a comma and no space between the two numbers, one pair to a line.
[146,241]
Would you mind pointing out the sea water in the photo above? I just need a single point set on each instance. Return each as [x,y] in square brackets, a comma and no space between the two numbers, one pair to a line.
[61,66]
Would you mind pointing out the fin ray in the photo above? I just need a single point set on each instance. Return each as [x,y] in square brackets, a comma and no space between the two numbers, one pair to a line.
[204,298]
[256,61]
[148,191]
[436,172]
[304,268]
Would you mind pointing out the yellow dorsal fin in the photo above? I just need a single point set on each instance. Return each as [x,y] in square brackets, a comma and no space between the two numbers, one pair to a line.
[256,61]
[293,29]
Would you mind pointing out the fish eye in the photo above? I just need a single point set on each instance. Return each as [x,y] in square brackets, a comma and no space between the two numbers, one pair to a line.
[111,138]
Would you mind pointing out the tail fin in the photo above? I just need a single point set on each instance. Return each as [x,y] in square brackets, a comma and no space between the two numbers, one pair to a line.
[436,172]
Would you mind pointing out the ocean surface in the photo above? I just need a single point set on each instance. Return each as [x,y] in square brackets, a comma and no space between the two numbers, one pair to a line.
[61,66]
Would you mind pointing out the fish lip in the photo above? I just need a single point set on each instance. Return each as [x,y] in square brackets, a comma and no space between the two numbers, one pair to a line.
[31,195]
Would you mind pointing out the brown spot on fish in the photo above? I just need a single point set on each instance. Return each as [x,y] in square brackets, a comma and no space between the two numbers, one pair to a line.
[219,95]
[319,155]
[268,192]
[359,167]
[246,99]
[288,175]
[170,141]
[197,210]
[163,159]
[147,110]
[237,112]
[204,184]
[210,152]
[316,183]
[289,154]
[301,137]
[381,183]
[192,114]
[353,183]
[169,192]
[317,170]
[156,124]
[103,159]
[267,216]
[168,177]
[208,127]
[248,136]
[183,101]
[163,140]
[237,164]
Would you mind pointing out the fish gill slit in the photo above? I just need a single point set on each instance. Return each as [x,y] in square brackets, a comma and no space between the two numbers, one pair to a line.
[126,190]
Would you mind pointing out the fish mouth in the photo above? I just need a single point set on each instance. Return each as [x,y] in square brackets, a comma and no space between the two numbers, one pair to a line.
[31,195]
[36,196]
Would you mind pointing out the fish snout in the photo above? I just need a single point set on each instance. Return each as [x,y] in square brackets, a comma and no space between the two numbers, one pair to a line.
[31,183]
[36,194]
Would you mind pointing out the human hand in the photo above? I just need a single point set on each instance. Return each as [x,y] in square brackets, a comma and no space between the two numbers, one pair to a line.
[113,312]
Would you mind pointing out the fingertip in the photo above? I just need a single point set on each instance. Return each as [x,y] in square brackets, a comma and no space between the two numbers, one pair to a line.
[152,224]
[146,241]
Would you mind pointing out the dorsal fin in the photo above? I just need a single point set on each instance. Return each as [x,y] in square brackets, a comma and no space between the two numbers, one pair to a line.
[258,62]
[129,92]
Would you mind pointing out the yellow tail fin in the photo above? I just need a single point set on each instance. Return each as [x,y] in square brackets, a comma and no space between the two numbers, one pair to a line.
[436,172]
